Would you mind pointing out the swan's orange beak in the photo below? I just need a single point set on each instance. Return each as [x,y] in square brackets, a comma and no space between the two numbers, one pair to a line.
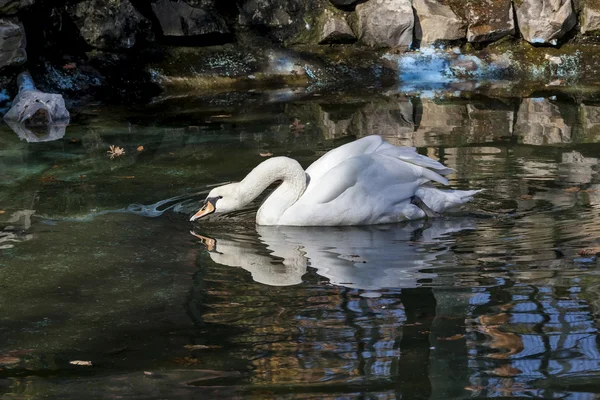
[205,210]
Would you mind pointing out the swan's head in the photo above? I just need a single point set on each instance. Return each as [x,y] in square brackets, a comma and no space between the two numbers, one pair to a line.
[221,199]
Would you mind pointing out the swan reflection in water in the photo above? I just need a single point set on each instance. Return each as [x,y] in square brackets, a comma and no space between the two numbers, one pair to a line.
[367,258]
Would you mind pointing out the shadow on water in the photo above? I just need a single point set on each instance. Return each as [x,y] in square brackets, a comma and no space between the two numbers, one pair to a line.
[105,292]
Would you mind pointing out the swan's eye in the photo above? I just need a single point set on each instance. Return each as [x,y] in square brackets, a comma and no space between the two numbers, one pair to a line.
[219,197]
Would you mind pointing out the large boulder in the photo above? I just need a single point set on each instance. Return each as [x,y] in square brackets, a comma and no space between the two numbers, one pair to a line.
[545,21]
[386,23]
[181,18]
[489,20]
[334,29]
[590,17]
[269,13]
[8,7]
[12,42]
[435,21]
[109,25]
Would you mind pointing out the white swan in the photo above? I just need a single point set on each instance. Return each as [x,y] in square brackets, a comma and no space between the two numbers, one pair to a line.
[366,182]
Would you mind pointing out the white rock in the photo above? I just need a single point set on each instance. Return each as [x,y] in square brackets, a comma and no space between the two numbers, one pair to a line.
[386,23]
[545,21]
[590,20]
[335,29]
[12,42]
[436,21]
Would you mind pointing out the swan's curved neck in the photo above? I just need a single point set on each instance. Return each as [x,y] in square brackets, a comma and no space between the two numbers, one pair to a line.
[293,185]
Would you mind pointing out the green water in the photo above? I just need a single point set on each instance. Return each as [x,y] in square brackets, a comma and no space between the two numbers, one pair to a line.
[98,265]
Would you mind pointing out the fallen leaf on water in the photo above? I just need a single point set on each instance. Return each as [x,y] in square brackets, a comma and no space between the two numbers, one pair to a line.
[7,360]
[590,251]
[116,151]
[415,324]
[453,337]
[71,65]
[140,148]
[148,373]
[200,347]
[126,177]
[526,197]
[267,154]
[74,140]
[2,211]
[82,363]
[572,189]
[171,153]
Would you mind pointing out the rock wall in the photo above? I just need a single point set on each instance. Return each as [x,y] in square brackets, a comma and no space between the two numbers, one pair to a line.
[105,46]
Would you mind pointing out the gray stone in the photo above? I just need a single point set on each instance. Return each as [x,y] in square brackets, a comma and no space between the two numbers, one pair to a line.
[108,25]
[436,21]
[386,23]
[36,116]
[590,20]
[335,29]
[489,20]
[12,42]
[12,6]
[545,21]
[178,18]
[271,13]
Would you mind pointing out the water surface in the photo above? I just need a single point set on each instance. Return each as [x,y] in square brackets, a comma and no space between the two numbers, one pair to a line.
[108,291]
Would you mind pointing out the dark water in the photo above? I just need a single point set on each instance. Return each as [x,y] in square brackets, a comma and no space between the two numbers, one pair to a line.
[98,265]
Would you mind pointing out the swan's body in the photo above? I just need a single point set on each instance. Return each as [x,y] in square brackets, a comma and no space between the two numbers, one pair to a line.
[366,182]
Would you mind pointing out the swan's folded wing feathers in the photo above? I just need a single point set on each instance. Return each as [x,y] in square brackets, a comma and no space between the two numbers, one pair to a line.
[409,154]
[334,157]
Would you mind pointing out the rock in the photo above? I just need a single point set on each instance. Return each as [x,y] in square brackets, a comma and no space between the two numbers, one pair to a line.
[386,23]
[270,13]
[335,29]
[436,21]
[545,21]
[539,121]
[12,6]
[37,116]
[178,18]
[12,42]
[489,20]
[590,20]
[109,25]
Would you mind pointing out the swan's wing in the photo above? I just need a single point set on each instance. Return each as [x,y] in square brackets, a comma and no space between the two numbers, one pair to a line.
[409,154]
[374,145]
[334,157]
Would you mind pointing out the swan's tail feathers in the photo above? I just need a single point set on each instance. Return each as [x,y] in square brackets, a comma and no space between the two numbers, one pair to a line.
[441,200]
[410,155]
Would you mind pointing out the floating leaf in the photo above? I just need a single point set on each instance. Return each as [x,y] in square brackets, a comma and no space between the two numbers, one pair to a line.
[126,177]
[2,211]
[267,154]
[573,189]
[116,151]
[140,148]
[82,363]
[526,197]
[70,65]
